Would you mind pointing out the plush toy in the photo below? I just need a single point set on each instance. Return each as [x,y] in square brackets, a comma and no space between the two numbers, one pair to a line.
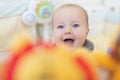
[111,60]
[42,61]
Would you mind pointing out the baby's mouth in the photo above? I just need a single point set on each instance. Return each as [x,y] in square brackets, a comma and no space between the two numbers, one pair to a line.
[69,41]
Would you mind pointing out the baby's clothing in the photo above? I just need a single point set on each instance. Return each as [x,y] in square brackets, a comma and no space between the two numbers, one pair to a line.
[89,45]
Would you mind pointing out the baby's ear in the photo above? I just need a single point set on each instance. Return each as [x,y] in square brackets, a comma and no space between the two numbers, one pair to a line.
[20,42]
[87,31]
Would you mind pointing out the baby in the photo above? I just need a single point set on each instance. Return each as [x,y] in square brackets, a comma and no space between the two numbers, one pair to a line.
[70,27]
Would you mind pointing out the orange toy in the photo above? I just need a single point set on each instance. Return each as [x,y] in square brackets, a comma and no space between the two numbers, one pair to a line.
[44,62]
[111,61]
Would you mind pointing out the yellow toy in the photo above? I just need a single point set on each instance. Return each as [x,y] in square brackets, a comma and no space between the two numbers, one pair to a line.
[42,61]
[45,62]
[111,60]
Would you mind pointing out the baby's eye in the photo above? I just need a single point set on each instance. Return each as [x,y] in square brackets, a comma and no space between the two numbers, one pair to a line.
[76,25]
[60,26]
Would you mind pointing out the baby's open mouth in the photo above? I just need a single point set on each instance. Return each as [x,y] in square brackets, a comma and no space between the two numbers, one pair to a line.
[69,41]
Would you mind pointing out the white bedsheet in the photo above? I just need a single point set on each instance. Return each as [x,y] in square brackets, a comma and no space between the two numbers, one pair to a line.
[12,7]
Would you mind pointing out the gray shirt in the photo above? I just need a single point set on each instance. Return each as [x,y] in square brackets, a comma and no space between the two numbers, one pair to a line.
[88,44]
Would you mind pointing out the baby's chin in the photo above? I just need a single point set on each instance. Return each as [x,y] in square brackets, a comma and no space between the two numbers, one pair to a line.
[69,44]
[73,45]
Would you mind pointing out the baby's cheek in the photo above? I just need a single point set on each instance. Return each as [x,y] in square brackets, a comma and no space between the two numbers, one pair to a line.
[81,35]
[81,39]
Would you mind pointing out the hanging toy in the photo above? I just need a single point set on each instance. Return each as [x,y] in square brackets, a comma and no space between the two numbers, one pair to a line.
[39,11]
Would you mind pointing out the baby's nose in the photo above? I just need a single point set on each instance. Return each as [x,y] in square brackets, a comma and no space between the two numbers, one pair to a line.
[68,30]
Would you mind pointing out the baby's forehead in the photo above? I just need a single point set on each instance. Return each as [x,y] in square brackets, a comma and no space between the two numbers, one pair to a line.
[71,7]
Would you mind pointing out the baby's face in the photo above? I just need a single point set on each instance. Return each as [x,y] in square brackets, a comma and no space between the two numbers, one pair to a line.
[69,27]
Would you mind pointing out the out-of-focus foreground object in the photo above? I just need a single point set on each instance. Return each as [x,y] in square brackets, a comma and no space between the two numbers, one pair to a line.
[111,61]
[43,61]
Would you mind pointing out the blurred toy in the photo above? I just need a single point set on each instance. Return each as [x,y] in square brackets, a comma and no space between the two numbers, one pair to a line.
[43,61]
[111,61]
[39,12]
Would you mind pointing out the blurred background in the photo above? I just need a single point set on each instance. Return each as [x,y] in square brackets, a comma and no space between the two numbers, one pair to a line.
[104,20]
